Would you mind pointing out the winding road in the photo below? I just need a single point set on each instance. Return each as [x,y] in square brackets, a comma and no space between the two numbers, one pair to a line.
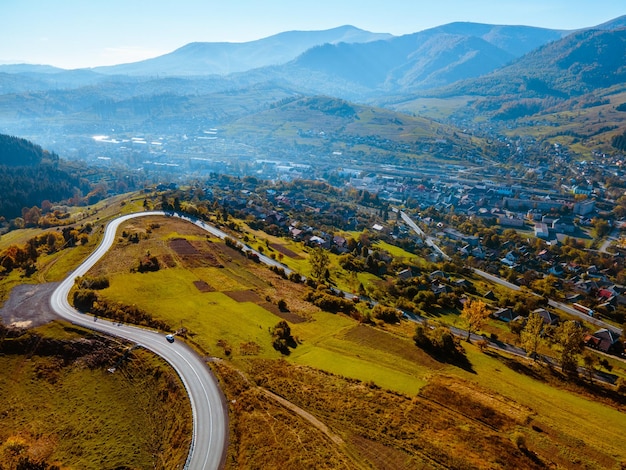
[210,417]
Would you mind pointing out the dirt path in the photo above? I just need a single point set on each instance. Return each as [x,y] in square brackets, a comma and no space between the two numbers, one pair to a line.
[307,416]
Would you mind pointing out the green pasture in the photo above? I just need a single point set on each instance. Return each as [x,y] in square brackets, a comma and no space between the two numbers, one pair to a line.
[587,422]
[170,295]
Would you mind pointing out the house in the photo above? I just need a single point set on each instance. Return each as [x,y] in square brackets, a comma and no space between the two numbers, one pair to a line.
[405,274]
[556,270]
[505,314]
[341,243]
[511,221]
[319,241]
[604,340]
[438,274]
[489,295]
[548,317]
[508,262]
[439,288]
[585,286]
[584,207]
[296,233]
[564,225]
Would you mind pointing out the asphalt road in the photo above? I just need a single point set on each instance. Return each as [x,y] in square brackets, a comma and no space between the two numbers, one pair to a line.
[210,418]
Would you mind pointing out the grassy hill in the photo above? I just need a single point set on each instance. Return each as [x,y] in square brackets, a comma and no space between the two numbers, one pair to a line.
[358,396]
[62,407]
[324,124]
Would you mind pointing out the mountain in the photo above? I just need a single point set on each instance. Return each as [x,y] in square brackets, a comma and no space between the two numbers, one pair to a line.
[432,58]
[616,23]
[27,78]
[577,64]
[222,58]
[515,40]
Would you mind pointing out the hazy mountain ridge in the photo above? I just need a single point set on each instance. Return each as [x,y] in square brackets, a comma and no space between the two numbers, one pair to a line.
[223,58]
[577,64]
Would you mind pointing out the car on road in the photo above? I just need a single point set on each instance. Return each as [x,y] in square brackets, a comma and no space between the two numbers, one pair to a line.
[170,338]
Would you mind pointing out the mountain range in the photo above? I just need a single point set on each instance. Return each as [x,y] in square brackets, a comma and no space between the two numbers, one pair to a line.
[223,58]
[220,83]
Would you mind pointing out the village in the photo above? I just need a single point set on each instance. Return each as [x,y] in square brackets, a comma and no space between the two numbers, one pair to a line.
[561,245]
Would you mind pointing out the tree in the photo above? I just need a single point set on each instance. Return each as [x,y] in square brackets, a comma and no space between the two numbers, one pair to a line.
[386,314]
[281,337]
[590,361]
[319,261]
[568,338]
[601,227]
[475,313]
[531,334]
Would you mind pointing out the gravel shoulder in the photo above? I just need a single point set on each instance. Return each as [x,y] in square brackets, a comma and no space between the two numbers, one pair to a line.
[29,305]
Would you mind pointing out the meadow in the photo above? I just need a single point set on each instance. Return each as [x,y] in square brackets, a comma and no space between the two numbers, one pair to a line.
[418,412]
[61,405]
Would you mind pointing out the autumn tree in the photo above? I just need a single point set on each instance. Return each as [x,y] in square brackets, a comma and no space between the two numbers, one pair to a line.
[319,261]
[474,313]
[531,334]
[568,340]
[281,337]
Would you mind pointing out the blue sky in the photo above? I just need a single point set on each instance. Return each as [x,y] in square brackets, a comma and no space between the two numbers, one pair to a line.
[87,33]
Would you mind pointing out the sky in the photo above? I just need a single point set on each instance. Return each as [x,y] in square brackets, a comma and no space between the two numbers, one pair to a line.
[88,33]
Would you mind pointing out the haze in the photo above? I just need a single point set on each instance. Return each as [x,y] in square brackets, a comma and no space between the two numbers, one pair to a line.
[76,34]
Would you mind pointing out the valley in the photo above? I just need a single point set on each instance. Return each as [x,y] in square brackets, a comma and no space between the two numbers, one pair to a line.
[405,252]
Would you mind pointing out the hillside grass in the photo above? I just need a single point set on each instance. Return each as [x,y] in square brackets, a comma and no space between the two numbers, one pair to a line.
[376,360]
[64,410]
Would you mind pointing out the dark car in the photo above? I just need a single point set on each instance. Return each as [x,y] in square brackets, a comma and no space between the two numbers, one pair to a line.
[170,338]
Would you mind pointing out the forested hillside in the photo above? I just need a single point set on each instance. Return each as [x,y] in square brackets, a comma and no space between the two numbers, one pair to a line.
[30,175]
[15,151]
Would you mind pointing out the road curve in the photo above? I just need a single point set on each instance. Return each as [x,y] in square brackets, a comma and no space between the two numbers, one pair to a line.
[210,418]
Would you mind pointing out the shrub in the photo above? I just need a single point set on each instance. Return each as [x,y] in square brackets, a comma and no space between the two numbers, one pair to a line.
[281,337]
[95,283]
[386,314]
[84,299]
[329,302]
[148,264]
[439,342]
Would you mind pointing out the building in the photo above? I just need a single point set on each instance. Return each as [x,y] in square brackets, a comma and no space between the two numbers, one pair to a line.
[541,230]
[604,340]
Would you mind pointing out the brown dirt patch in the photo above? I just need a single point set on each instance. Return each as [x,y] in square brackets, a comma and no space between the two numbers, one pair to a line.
[182,247]
[382,456]
[251,296]
[244,296]
[285,251]
[289,316]
[390,343]
[29,305]
[472,402]
[194,255]
[202,286]
[168,260]
[411,432]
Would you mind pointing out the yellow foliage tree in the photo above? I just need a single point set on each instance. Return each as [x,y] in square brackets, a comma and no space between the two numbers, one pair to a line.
[474,313]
